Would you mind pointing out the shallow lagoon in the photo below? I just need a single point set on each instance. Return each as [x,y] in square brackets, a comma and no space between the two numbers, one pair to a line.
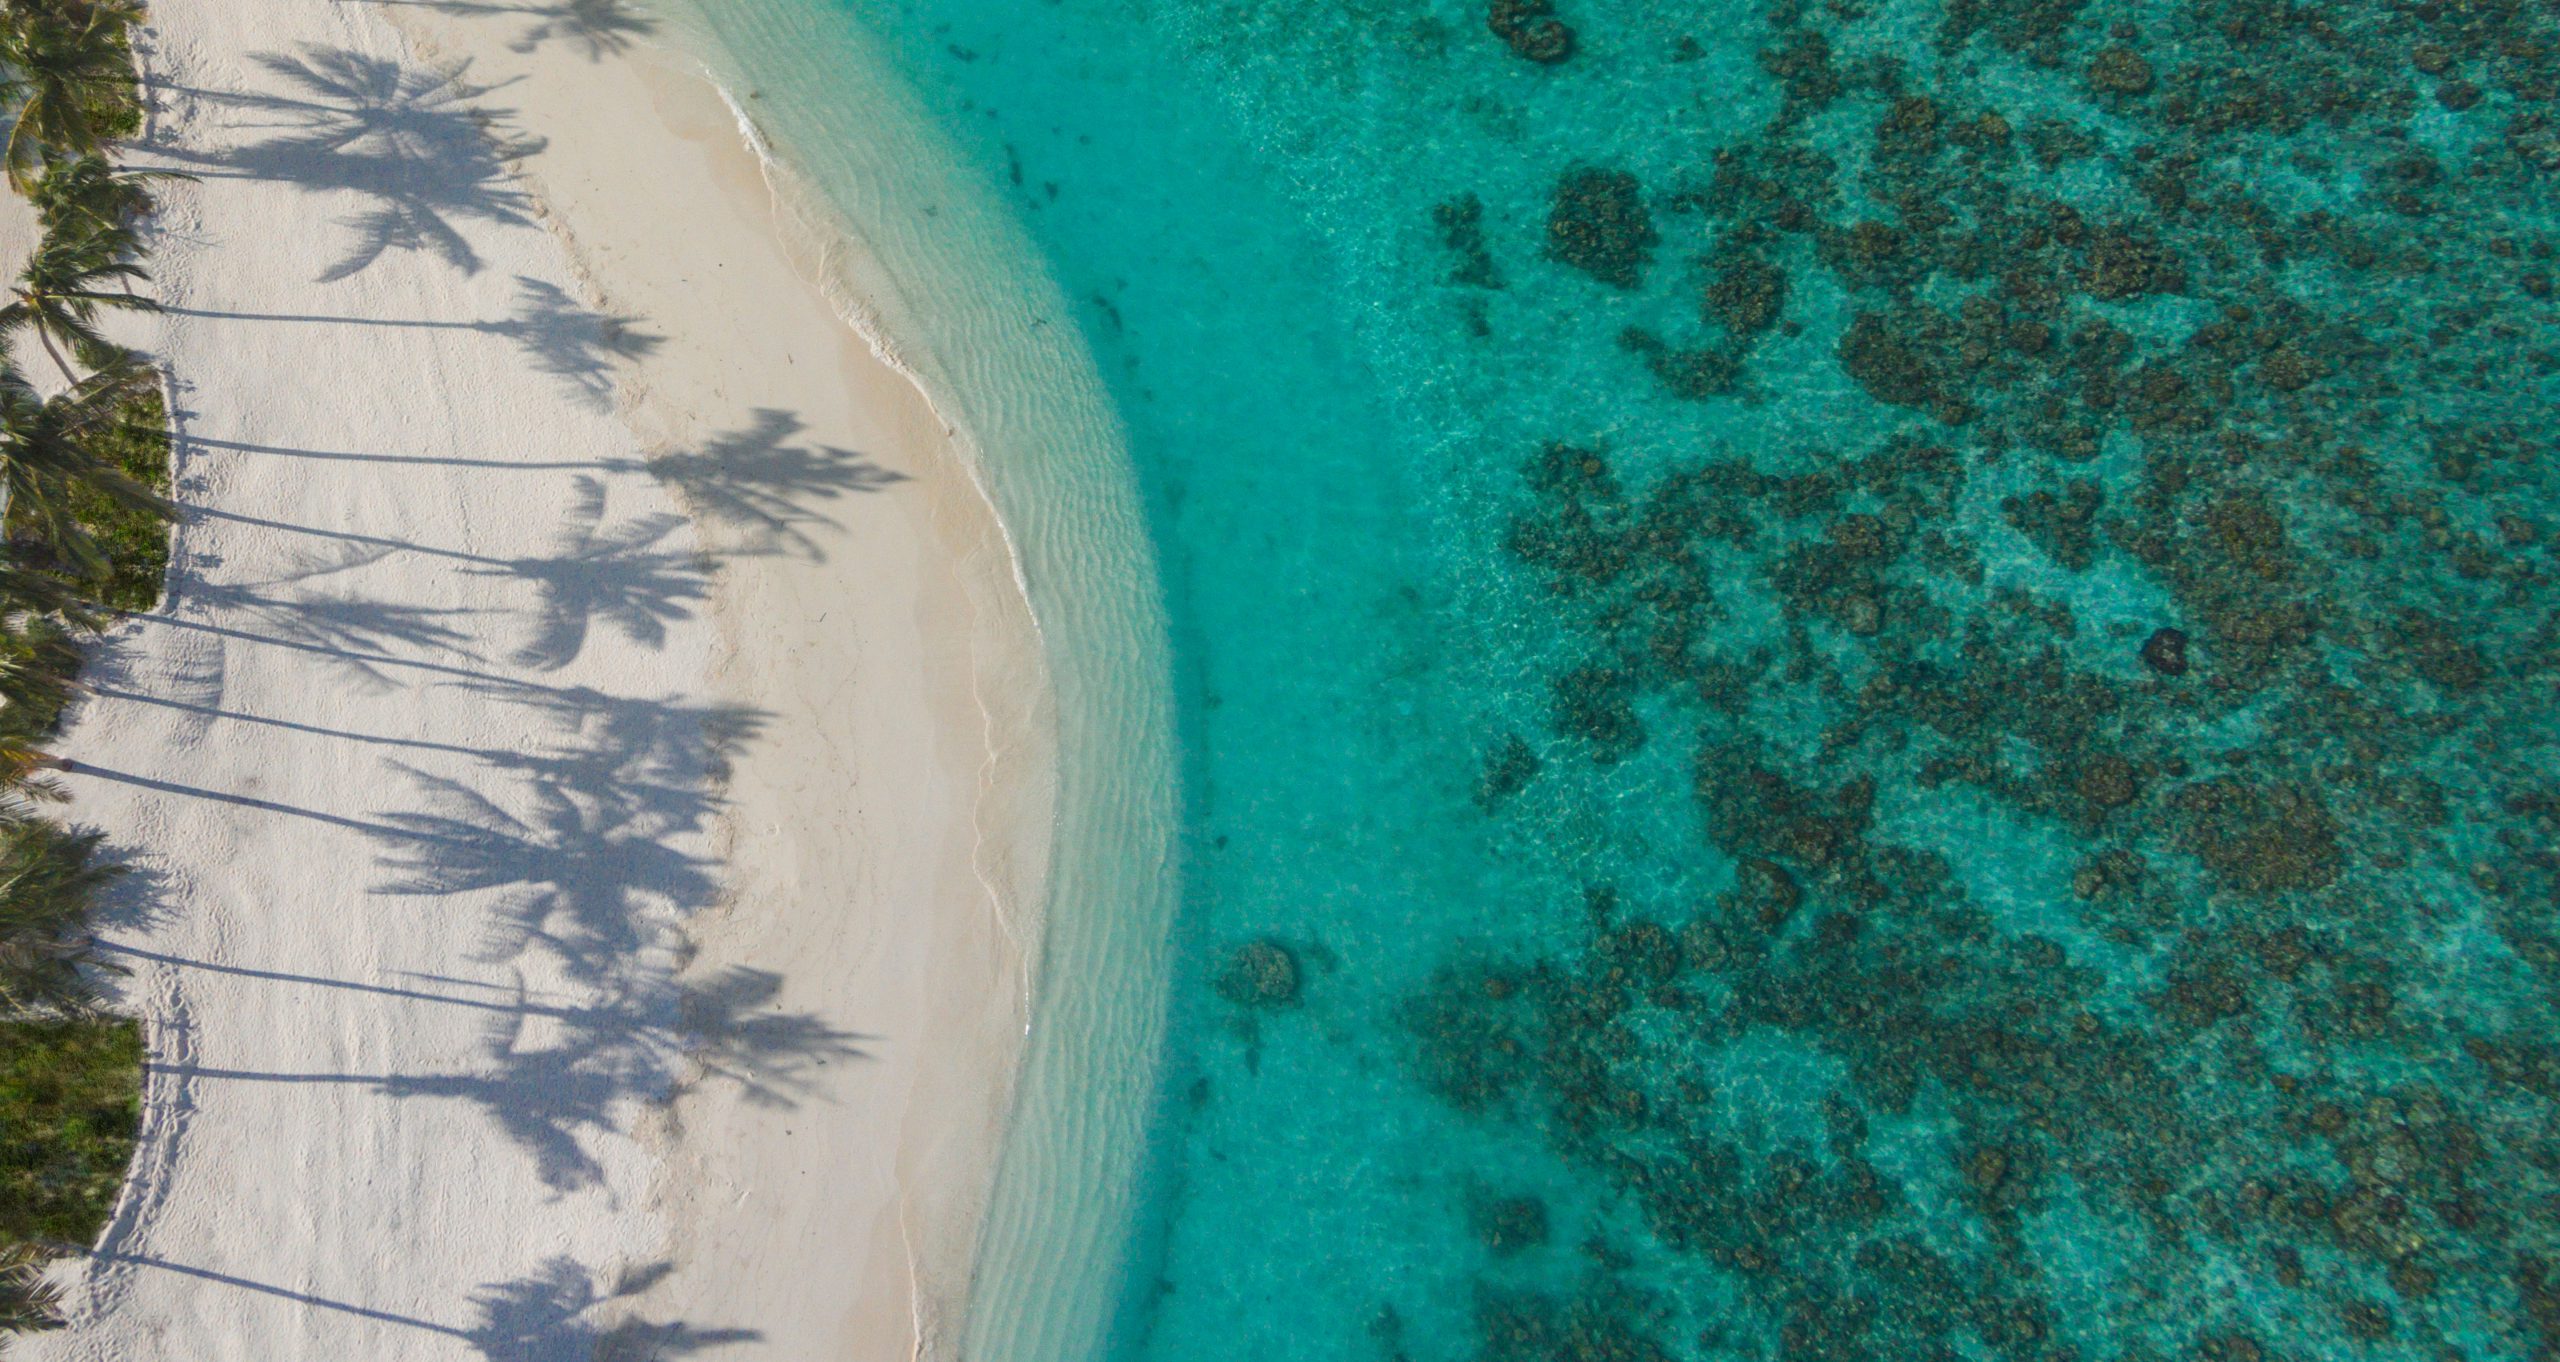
[1860,680]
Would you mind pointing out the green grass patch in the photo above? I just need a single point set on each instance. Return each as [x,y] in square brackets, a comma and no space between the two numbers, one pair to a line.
[136,541]
[70,1106]
[70,1102]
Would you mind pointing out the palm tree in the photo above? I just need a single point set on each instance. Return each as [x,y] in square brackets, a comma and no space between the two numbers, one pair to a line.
[27,1300]
[27,591]
[64,285]
[39,674]
[71,80]
[48,449]
[90,191]
[126,14]
[23,787]
[47,876]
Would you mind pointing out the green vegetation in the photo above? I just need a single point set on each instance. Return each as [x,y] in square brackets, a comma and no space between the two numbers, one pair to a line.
[84,481]
[72,85]
[132,535]
[70,1099]
[46,877]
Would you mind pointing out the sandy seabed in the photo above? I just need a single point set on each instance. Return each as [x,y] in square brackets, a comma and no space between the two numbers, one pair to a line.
[591,781]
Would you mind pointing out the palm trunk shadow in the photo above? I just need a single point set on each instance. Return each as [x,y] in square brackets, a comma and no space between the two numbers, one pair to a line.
[548,1315]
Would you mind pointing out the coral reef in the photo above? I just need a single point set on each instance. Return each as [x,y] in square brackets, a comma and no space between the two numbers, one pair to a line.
[1530,28]
[2282,741]
[1599,224]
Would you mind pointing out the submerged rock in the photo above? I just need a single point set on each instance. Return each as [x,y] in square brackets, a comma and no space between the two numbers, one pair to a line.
[1606,1324]
[1695,374]
[1595,704]
[1895,360]
[1260,974]
[2165,652]
[1530,28]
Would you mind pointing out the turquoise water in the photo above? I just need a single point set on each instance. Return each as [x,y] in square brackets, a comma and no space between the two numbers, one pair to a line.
[1855,680]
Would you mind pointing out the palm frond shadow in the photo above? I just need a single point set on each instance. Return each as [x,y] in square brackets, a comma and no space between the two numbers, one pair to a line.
[578,841]
[582,854]
[624,575]
[580,871]
[417,143]
[757,480]
[599,28]
[558,1075]
[572,342]
[556,1314]
[738,1037]
[652,757]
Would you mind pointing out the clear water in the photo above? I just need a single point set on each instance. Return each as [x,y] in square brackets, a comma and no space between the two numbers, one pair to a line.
[1692,841]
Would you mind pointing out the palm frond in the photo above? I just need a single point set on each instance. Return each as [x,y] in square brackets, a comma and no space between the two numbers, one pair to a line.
[91,190]
[47,878]
[71,64]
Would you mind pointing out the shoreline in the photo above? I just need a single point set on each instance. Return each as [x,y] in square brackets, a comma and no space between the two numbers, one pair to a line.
[921,248]
[835,1137]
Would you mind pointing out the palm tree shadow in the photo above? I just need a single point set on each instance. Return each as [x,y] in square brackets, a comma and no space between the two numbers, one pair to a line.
[773,1056]
[623,575]
[352,631]
[414,141]
[559,1076]
[553,1315]
[572,343]
[585,861]
[564,1072]
[581,871]
[656,734]
[652,759]
[548,1315]
[755,480]
[601,28]
[548,1100]
[589,867]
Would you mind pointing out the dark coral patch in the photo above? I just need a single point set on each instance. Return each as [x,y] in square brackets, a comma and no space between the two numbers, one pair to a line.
[1260,974]
[1599,224]
[1531,29]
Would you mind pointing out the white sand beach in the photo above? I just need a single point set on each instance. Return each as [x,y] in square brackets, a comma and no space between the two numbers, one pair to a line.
[588,673]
